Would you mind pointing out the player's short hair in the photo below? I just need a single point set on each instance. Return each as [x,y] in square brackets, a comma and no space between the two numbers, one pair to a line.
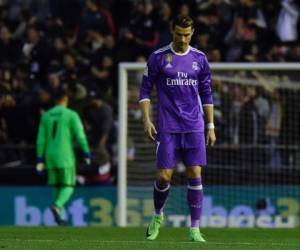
[183,21]
[59,94]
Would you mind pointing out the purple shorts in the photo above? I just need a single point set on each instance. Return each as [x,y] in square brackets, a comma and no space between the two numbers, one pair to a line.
[188,147]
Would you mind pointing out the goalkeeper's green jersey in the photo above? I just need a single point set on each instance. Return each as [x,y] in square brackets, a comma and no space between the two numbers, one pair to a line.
[58,128]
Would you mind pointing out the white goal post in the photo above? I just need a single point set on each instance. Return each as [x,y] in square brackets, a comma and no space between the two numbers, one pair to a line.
[123,116]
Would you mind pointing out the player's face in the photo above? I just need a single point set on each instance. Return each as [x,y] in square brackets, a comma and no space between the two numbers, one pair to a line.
[182,38]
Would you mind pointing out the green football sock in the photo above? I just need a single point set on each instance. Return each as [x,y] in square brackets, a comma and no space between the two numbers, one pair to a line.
[63,195]
[55,193]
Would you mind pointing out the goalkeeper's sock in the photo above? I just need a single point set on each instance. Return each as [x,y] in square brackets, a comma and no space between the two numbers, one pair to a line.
[63,196]
[160,194]
[194,199]
[56,192]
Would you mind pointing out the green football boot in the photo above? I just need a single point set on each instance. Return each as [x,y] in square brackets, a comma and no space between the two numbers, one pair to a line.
[195,235]
[153,228]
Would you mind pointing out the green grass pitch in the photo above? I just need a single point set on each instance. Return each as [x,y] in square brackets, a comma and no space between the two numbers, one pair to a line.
[107,238]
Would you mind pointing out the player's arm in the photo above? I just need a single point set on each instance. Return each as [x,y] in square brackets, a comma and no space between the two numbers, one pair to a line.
[205,92]
[210,128]
[150,76]
[41,145]
[41,139]
[80,136]
[149,127]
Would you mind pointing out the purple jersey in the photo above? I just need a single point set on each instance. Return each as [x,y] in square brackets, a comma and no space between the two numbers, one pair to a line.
[183,84]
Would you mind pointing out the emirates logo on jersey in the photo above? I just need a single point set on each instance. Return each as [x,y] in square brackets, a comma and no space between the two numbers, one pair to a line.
[181,80]
[168,59]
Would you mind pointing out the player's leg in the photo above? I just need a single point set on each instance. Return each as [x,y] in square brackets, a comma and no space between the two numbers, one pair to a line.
[64,195]
[65,189]
[67,181]
[194,200]
[194,156]
[160,194]
[166,161]
[161,189]
[53,180]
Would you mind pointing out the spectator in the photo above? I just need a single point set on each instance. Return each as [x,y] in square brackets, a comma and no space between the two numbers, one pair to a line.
[100,171]
[140,36]
[248,133]
[248,128]
[70,72]
[68,11]
[34,53]
[286,27]
[209,22]
[273,129]
[98,119]
[294,54]
[277,53]
[23,22]
[237,37]
[9,49]
[58,49]
[54,82]
[234,114]
[251,13]
[93,17]
[102,76]
[163,23]
[251,53]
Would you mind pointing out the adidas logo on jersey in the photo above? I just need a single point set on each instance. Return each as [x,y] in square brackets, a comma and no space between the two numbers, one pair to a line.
[169,65]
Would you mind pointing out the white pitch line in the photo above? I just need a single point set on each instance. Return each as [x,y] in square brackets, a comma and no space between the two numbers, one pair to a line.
[159,242]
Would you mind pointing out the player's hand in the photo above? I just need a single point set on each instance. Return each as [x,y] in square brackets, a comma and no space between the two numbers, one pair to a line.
[88,159]
[80,179]
[149,129]
[40,168]
[210,137]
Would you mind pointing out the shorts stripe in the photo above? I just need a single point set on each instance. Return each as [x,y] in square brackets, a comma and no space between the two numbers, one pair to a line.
[157,146]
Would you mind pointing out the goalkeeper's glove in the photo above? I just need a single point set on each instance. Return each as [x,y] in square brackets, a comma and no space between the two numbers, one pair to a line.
[40,166]
[88,158]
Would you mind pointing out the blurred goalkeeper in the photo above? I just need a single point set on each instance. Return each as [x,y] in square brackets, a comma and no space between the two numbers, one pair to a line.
[58,128]
[181,75]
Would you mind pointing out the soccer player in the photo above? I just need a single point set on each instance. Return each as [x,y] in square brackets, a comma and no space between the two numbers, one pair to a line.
[58,127]
[181,75]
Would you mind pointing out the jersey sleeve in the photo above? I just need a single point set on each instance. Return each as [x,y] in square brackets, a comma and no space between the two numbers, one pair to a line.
[79,133]
[41,138]
[149,78]
[205,88]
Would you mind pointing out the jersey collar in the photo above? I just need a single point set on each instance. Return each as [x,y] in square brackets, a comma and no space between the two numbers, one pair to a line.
[179,54]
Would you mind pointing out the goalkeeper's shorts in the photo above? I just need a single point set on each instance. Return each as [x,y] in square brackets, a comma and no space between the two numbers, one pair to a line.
[188,147]
[62,176]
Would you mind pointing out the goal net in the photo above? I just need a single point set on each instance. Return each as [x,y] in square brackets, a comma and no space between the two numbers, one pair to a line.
[253,173]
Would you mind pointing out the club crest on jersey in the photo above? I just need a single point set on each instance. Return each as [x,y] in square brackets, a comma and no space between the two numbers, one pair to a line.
[195,66]
[168,58]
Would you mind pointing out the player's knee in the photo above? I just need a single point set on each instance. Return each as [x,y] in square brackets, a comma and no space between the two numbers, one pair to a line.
[164,176]
[194,172]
